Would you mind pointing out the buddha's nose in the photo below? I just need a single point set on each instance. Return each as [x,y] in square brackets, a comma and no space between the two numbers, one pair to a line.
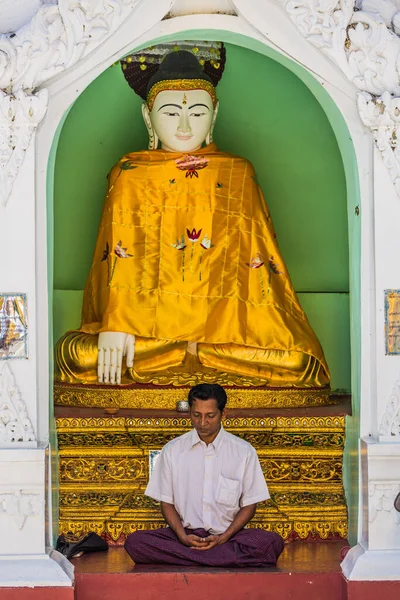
[184,125]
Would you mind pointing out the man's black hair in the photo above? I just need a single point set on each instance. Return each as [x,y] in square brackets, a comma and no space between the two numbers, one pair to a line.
[207,391]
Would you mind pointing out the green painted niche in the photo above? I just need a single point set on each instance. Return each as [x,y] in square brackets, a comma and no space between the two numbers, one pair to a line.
[268,115]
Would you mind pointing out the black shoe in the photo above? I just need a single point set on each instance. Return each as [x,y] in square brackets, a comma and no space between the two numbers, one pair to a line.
[91,542]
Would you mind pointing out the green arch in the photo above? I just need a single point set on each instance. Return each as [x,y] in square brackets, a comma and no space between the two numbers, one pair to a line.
[320,244]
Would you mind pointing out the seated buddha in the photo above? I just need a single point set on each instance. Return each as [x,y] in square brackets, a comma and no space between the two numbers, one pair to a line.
[187,277]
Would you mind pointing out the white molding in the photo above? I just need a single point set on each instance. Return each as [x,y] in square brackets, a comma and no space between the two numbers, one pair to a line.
[358,37]
[381,498]
[16,13]
[389,429]
[324,26]
[61,34]
[44,570]
[183,7]
[381,464]
[58,36]
[20,505]
[362,44]
[20,114]
[22,501]
[361,564]
[365,46]
[377,556]
[15,425]
[381,114]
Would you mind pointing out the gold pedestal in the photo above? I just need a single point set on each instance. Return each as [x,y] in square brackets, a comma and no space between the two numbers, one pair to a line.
[142,396]
[104,469]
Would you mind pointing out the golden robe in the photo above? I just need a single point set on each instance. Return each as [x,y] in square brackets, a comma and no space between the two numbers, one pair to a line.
[186,252]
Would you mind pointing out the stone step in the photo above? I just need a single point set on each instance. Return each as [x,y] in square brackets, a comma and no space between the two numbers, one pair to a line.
[304,572]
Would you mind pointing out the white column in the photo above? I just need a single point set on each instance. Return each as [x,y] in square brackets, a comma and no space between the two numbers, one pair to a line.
[23,457]
[377,556]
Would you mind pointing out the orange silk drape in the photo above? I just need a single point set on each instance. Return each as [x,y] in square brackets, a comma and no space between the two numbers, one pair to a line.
[186,250]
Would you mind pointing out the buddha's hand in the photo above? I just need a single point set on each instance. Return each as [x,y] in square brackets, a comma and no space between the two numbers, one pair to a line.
[112,347]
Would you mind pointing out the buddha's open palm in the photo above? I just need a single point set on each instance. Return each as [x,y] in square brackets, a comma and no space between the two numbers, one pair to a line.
[112,347]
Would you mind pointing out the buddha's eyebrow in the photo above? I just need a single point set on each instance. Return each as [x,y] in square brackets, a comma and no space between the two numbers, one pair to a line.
[193,105]
[164,105]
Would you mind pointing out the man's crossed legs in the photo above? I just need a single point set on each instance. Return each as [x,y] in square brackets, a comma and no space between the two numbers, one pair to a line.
[247,548]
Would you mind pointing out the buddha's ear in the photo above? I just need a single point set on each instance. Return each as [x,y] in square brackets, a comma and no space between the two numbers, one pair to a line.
[209,137]
[153,138]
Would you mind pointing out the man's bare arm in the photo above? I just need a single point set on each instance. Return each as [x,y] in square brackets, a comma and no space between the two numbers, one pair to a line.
[172,518]
[244,515]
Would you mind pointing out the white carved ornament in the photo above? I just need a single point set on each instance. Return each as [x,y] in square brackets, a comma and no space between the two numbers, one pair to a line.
[20,505]
[19,117]
[390,424]
[324,24]
[206,7]
[382,115]
[57,37]
[381,500]
[362,39]
[15,425]
[16,13]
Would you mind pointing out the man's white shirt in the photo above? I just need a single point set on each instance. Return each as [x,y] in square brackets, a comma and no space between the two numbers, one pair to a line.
[208,484]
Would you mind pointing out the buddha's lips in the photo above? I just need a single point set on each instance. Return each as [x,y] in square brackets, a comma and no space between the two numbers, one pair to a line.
[184,137]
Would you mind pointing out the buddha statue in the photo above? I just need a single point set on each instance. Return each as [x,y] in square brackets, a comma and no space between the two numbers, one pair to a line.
[187,279]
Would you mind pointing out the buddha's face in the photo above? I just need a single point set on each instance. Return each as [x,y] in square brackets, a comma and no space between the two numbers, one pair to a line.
[182,120]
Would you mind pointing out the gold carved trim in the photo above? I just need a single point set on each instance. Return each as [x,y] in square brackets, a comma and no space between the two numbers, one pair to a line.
[166,398]
[132,464]
[104,464]
[177,424]
[118,530]
[181,84]
[157,439]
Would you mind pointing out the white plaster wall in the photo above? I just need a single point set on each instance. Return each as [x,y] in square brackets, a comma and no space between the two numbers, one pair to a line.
[387,251]
[18,270]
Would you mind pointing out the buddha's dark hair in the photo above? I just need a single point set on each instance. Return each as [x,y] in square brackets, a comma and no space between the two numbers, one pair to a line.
[208,391]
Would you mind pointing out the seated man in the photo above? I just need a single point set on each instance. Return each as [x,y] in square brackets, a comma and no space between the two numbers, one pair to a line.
[208,482]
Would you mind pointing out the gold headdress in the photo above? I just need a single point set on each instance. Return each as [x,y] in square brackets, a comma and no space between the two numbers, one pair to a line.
[175,66]
[181,84]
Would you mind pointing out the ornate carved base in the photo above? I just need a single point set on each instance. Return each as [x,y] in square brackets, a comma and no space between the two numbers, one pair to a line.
[104,468]
[166,397]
